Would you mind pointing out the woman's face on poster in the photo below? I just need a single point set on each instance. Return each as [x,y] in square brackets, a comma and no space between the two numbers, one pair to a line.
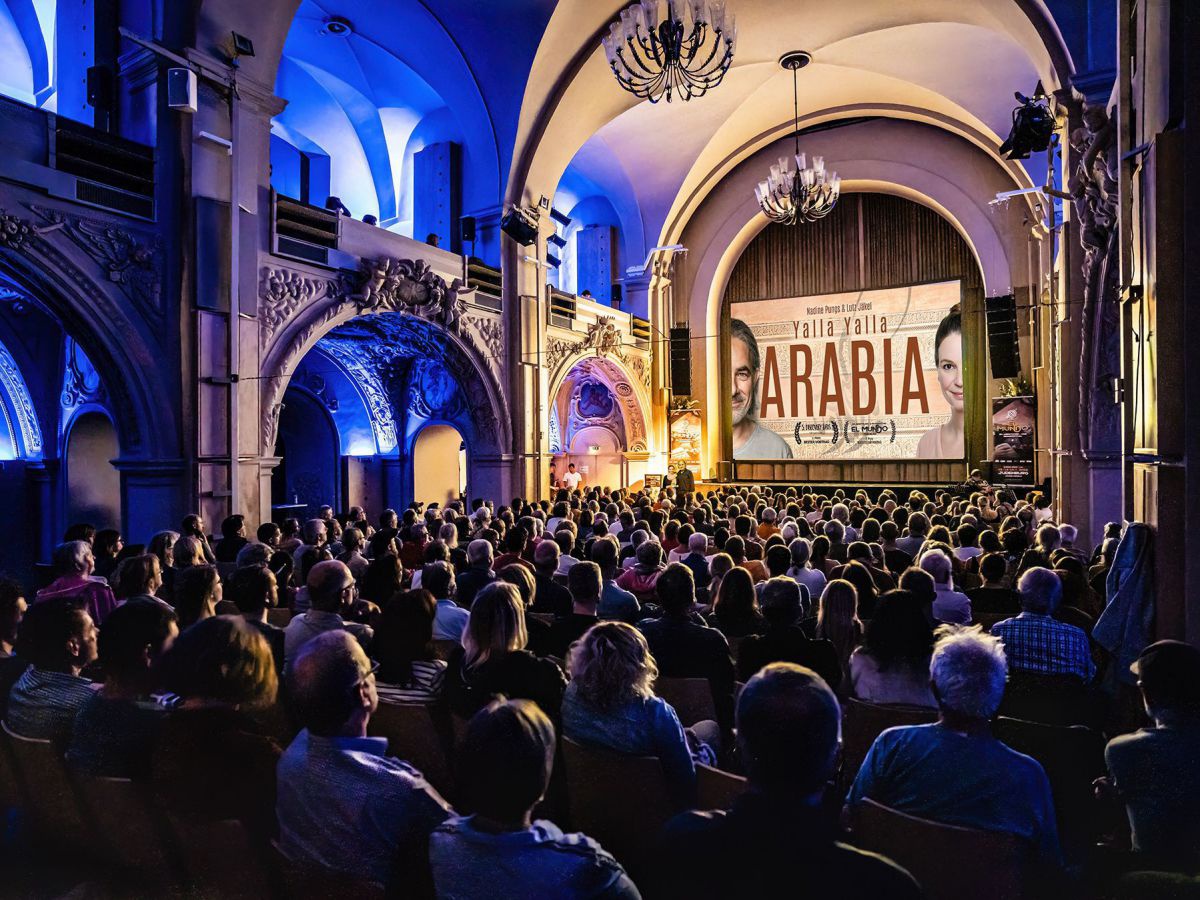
[949,370]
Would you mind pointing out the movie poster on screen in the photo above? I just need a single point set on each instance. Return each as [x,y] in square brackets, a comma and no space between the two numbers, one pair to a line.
[685,441]
[1014,424]
[867,375]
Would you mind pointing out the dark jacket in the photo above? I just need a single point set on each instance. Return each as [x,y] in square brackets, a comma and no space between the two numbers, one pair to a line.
[684,649]
[551,597]
[516,675]
[759,845]
[562,633]
[788,644]
[470,583]
[699,566]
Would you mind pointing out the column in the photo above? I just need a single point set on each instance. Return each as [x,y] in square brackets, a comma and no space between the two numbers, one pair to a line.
[43,478]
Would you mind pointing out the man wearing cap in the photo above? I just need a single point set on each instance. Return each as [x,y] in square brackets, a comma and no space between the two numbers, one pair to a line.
[1153,771]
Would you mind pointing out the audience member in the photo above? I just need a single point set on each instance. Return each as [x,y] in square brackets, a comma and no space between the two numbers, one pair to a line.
[409,672]
[615,602]
[74,563]
[106,548]
[949,606]
[213,761]
[450,620]
[993,597]
[116,728]
[838,623]
[784,640]
[777,831]
[1036,642]
[58,640]
[12,611]
[197,592]
[584,583]
[343,804]
[551,598]
[478,574]
[493,659]
[735,611]
[331,593]
[640,579]
[504,765]
[892,665]
[233,539]
[254,591]
[954,771]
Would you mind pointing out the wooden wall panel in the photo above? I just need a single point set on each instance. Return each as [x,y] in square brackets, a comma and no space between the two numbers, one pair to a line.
[868,241]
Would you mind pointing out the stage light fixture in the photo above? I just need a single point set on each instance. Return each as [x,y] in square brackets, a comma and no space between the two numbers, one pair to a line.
[557,240]
[560,217]
[1032,126]
[242,45]
[552,261]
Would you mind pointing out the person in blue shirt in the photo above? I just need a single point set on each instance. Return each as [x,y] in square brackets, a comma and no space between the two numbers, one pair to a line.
[504,764]
[954,771]
[342,803]
[615,602]
[610,703]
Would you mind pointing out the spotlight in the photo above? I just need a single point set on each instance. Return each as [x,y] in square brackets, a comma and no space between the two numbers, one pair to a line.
[337,26]
[552,261]
[242,45]
[561,218]
[521,225]
[557,240]
[1032,126]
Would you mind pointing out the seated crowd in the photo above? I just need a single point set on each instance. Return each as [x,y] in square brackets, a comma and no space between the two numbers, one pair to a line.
[251,679]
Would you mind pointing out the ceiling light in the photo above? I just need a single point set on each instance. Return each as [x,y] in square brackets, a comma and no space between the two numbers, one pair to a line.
[685,54]
[337,26]
[806,193]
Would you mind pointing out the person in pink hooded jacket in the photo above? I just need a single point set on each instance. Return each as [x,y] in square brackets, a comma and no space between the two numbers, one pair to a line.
[75,563]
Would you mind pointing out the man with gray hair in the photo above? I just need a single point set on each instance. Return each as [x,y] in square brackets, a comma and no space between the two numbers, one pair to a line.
[696,559]
[550,597]
[1035,641]
[331,591]
[343,804]
[954,771]
[949,606]
[479,572]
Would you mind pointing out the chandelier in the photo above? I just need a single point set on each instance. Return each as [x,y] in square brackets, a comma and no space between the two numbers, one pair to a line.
[685,54]
[805,193]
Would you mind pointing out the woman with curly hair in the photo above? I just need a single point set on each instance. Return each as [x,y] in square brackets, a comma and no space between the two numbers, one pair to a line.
[610,703]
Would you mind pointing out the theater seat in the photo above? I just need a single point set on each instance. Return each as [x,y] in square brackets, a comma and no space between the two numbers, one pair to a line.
[49,792]
[420,736]
[691,697]
[862,722]
[279,616]
[304,882]
[617,799]
[133,831]
[220,859]
[717,789]
[950,862]
[1051,700]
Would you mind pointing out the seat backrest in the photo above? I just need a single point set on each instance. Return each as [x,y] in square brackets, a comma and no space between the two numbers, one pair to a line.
[279,616]
[1072,757]
[862,722]
[717,789]
[1051,700]
[691,698]
[419,737]
[48,790]
[134,831]
[305,882]
[949,861]
[617,799]
[220,859]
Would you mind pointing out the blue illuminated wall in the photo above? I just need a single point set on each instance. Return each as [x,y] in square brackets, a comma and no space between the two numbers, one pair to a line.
[46,48]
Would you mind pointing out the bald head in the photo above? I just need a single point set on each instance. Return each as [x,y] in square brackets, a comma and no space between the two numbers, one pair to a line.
[329,687]
[328,584]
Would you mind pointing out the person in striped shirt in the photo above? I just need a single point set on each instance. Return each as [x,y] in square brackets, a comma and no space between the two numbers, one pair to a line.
[403,646]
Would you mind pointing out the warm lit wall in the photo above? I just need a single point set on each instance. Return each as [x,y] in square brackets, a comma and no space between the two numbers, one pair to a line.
[437,471]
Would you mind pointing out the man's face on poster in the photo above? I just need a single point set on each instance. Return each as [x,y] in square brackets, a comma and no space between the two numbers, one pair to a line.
[745,381]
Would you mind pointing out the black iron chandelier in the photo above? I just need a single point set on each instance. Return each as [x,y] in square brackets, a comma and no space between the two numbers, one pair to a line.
[806,193]
[685,54]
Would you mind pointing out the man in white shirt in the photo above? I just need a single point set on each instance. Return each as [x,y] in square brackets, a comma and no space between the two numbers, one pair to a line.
[571,479]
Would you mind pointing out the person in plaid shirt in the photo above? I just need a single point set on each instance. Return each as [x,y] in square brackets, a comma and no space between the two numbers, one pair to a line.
[1036,642]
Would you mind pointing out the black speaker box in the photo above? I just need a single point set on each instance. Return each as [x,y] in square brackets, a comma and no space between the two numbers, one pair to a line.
[681,361]
[467,226]
[520,226]
[1003,349]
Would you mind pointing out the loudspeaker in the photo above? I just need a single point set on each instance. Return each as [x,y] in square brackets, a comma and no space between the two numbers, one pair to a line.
[681,361]
[181,89]
[1003,348]
[467,226]
[520,226]
[615,294]
[99,87]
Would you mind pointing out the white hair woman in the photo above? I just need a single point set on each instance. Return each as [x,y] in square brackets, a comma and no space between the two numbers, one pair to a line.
[493,659]
[610,703]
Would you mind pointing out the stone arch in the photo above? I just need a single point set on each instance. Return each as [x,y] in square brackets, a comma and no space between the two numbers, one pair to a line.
[298,309]
[22,422]
[616,372]
[116,344]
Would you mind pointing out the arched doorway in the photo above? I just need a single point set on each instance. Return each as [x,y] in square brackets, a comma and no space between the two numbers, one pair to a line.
[597,453]
[439,465]
[310,459]
[93,484]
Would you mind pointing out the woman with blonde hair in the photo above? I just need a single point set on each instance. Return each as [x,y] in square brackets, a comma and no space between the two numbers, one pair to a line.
[493,660]
[188,551]
[610,703]
[838,623]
